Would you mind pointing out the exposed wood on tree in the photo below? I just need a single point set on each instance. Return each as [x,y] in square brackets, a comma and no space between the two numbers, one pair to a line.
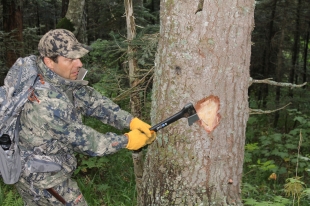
[208,112]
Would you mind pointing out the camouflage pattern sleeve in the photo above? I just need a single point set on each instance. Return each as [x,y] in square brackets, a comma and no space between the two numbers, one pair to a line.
[56,118]
[96,105]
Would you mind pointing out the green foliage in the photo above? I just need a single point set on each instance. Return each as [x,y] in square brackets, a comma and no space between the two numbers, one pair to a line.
[284,154]
[9,196]
[294,187]
[108,67]
[65,23]
[105,68]
[277,201]
[31,40]
[112,183]
[86,163]
[11,200]
[306,193]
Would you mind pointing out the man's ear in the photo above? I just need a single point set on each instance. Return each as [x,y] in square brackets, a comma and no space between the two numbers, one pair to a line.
[49,63]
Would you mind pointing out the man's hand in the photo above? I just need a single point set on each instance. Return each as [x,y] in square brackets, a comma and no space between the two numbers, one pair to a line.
[136,123]
[138,139]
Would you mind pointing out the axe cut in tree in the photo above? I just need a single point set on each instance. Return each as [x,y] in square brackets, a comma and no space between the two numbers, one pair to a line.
[205,113]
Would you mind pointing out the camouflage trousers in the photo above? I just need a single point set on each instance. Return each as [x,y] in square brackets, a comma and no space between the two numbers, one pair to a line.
[32,196]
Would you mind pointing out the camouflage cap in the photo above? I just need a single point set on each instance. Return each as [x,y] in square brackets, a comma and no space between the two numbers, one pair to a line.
[61,42]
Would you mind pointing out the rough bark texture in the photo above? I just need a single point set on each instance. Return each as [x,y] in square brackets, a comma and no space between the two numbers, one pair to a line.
[77,15]
[204,50]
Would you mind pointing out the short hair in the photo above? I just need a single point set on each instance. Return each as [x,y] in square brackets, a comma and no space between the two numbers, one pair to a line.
[54,58]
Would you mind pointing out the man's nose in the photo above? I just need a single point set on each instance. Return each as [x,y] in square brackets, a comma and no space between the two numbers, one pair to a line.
[78,62]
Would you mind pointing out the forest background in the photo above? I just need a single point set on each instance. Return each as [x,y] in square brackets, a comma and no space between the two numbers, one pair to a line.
[277,157]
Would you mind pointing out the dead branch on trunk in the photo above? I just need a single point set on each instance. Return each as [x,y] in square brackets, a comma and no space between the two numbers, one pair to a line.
[259,111]
[274,83]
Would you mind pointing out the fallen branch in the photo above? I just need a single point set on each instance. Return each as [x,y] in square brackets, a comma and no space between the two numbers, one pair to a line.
[259,111]
[274,83]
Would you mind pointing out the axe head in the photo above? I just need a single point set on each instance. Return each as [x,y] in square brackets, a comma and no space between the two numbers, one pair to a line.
[190,113]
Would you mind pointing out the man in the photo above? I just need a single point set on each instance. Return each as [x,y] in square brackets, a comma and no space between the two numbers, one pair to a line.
[52,129]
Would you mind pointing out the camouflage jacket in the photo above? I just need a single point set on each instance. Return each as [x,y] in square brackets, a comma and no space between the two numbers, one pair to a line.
[52,128]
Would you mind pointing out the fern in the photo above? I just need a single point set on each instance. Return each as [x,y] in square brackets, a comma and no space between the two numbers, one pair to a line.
[9,200]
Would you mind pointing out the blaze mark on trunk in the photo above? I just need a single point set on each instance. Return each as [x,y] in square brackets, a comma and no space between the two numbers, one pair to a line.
[207,111]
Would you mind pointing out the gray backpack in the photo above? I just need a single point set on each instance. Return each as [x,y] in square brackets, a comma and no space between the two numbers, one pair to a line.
[18,86]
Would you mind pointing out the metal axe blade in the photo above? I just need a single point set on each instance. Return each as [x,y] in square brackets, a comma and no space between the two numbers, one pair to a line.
[188,111]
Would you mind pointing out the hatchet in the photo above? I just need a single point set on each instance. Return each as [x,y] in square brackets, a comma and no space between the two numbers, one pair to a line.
[188,112]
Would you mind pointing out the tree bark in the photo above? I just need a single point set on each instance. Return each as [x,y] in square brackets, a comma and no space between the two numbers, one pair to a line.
[77,15]
[204,50]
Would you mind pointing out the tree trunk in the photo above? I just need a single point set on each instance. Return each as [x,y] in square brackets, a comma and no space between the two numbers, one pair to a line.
[13,22]
[204,50]
[306,54]
[135,105]
[77,15]
[64,7]
[55,9]
[295,49]
[279,75]
[138,3]
[263,93]
[155,7]
[38,18]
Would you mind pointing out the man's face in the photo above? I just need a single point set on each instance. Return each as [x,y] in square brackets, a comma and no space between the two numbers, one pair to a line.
[66,68]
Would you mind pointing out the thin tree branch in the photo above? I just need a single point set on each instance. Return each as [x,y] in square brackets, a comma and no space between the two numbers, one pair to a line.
[274,83]
[259,111]
[119,97]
